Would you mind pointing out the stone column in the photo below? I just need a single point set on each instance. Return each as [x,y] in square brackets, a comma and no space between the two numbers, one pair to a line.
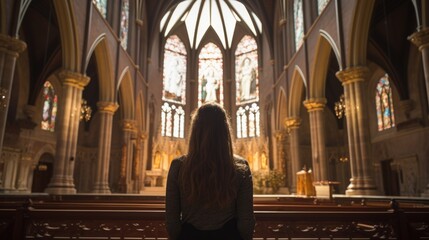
[129,131]
[23,172]
[361,182]
[67,131]
[142,142]
[9,52]
[421,40]
[282,164]
[106,111]
[316,107]
[292,124]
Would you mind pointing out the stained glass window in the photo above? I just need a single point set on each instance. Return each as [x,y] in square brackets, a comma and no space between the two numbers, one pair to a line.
[125,11]
[298,15]
[101,6]
[50,104]
[172,120]
[248,121]
[384,104]
[246,70]
[247,88]
[321,4]
[210,75]
[174,71]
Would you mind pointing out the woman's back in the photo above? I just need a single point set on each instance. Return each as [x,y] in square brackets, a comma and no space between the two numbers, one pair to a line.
[210,188]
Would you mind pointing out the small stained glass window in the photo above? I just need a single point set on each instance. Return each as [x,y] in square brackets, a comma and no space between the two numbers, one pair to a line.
[125,13]
[101,6]
[248,121]
[210,74]
[298,15]
[50,105]
[384,104]
[172,120]
[321,4]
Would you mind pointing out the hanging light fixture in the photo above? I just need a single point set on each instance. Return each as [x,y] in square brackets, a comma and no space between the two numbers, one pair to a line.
[85,111]
[340,107]
[3,101]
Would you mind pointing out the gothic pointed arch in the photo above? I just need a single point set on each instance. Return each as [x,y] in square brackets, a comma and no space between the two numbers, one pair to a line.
[126,95]
[69,37]
[359,30]
[282,109]
[325,45]
[104,69]
[296,94]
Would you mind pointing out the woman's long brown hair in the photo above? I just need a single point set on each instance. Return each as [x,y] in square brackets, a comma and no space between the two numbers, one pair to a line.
[208,172]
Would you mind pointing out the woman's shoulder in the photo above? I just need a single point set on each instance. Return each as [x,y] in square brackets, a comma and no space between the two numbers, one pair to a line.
[241,164]
[177,162]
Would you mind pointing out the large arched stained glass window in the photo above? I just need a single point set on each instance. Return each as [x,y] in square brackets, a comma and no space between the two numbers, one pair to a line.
[101,6]
[321,4]
[125,13]
[298,16]
[49,111]
[247,88]
[174,79]
[210,75]
[174,86]
[384,104]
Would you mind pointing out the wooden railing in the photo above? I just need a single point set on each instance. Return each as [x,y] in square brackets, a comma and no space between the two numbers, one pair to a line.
[138,217]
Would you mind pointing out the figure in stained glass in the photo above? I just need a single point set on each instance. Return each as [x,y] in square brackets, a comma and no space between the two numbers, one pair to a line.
[247,78]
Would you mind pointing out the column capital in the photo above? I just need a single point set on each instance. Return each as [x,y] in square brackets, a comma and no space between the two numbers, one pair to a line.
[107,107]
[314,104]
[420,38]
[11,45]
[71,78]
[292,122]
[352,74]
[129,125]
[281,135]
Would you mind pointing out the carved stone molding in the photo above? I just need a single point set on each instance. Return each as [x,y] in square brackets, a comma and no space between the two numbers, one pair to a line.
[352,74]
[107,107]
[292,122]
[73,78]
[11,45]
[129,125]
[314,104]
[420,38]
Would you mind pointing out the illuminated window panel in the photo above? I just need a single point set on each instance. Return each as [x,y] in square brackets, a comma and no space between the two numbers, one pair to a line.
[298,15]
[50,106]
[248,121]
[210,74]
[172,120]
[125,12]
[174,74]
[321,4]
[246,71]
[101,6]
[384,104]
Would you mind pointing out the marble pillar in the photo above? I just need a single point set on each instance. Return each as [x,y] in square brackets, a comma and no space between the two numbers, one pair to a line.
[353,80]
[9,51]
[106,111]
[315,108]
[293,124]
[67,130]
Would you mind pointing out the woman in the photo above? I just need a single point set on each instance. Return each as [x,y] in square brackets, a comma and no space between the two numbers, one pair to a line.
[209,191]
